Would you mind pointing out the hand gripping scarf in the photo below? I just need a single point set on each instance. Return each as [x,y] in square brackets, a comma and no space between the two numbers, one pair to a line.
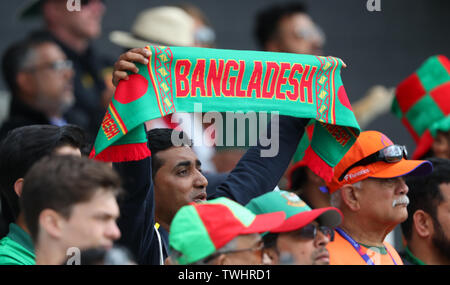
[176,78]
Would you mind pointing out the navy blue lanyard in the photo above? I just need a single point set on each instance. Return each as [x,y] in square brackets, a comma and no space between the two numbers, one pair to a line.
[358,248]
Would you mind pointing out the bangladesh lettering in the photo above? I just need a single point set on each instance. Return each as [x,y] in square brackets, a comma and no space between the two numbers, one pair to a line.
[338,133]
[109,127]
[225,78]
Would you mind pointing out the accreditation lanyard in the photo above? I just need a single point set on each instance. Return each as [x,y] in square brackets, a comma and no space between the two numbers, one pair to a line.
[358,248]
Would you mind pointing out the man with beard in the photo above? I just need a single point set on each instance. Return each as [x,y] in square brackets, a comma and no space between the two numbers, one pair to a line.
[427,229]
[369,188]
[40,78]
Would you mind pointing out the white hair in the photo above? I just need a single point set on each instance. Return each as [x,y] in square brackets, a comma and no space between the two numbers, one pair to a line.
[336,199]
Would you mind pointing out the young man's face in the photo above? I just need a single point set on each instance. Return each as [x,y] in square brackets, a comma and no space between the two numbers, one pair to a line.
[377,196]
[304,251]
[178,182]
[92,223]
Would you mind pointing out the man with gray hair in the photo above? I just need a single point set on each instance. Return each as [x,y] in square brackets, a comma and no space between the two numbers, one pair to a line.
[369,188]
[40,79]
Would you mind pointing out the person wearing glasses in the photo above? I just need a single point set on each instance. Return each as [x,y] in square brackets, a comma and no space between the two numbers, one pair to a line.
[219,232]
[40,79]
[302,238]
[73,26]
[369,188]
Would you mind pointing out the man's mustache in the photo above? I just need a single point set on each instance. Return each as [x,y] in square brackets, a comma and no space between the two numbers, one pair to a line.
[402,200]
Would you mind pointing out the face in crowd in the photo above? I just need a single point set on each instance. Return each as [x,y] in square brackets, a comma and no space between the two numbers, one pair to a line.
[178,182]
[297,33]
[305,246]
[48,79]
[84,24]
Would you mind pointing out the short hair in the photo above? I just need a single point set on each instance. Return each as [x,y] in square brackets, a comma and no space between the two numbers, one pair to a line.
[299,178]
[24,146]
[270,240]
[424,193]
[18,55]
[267,20]
[161,139]
[61,182]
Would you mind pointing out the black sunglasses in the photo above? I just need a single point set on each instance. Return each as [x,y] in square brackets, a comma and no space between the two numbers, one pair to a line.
[310,231]
[390,154]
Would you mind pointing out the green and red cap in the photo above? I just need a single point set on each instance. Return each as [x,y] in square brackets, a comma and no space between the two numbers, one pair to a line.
[198,230]
[422,102]
[298,213]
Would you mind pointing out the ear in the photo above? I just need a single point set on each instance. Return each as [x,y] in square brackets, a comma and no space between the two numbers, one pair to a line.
[51,222]
[423,224]
[270,256]
[350,195]
[221,260]
[18,185]
[24,82]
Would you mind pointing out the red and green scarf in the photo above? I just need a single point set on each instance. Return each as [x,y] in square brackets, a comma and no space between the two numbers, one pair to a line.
[302,86]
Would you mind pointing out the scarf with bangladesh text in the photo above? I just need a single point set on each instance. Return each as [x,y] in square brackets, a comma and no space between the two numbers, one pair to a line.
[176,78]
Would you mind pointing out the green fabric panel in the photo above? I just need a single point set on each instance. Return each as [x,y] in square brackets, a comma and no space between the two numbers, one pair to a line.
[189,236]
[432,74]
[16,248]
[276,201]
[395,108]
[442,125]
[421,120]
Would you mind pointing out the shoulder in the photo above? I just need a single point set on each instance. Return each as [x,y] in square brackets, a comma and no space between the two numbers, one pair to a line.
[342,252]
[394,253]
[12,253]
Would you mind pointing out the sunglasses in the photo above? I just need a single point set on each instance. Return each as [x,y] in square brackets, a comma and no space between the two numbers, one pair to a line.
[310,232]
[390,154]
[257,248]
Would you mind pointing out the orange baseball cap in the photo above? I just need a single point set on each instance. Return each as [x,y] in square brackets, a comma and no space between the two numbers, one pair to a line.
[370,144]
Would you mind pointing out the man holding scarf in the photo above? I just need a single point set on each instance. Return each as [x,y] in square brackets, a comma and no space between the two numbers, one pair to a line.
[253,176]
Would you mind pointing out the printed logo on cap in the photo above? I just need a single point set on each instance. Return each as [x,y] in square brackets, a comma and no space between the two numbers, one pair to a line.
[293,200]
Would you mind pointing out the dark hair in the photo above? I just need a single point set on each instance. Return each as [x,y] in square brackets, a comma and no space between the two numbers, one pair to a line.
[161,139]
[267,20]
[24,146]
[270,240]
[16,55]
[299,177]
[60,182]
[424,193]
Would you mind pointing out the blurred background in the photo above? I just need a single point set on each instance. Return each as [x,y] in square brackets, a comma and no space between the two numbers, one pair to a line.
[378,47]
